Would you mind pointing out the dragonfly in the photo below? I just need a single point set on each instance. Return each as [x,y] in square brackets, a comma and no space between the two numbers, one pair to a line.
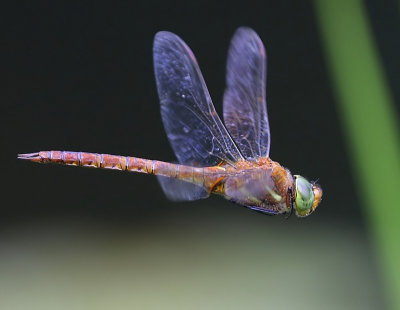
[230,159]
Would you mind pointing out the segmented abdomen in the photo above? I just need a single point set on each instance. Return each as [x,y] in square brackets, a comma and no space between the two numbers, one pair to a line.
[190,174]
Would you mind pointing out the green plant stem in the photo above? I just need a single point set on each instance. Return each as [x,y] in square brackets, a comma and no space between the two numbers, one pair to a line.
[370,125]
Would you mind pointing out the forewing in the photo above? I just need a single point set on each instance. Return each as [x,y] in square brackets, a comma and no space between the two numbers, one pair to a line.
[245,109]
[196,133]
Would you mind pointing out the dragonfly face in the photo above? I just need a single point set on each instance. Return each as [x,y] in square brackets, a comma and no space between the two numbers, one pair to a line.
[307,196]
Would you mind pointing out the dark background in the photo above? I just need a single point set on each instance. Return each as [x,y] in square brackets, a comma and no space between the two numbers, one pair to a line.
[79,77]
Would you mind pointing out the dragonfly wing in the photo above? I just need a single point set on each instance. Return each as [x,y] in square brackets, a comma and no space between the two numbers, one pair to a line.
[256,190]
[245,109]
[263,210]
[195,132]
[178,190]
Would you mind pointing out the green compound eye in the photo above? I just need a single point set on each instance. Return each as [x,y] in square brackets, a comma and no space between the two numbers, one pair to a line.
[304,196]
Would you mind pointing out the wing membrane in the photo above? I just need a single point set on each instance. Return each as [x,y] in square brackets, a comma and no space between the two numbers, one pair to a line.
[178,190]
[196,133]
[245,109]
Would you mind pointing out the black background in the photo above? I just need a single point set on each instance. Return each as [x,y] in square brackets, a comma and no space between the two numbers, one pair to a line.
[79,77]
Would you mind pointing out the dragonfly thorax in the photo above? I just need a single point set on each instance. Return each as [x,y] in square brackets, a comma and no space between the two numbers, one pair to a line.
[262,187]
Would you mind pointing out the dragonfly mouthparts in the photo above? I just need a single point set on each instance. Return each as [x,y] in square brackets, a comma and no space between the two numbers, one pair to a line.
[30,156]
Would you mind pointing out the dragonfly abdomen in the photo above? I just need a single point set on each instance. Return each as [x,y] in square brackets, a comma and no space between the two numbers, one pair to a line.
[82,159]
[117,162]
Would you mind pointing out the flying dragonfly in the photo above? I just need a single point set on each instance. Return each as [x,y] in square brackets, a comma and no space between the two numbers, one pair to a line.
[230,160]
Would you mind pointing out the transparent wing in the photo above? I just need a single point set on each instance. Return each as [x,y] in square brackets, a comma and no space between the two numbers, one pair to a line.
[178,190]
[196,133]
[257,189]
[263,210]
[245,109]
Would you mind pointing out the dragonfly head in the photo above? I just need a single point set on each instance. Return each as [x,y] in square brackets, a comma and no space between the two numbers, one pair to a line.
[307,196]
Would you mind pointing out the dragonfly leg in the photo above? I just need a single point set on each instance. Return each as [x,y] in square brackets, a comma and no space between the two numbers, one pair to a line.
[289,202]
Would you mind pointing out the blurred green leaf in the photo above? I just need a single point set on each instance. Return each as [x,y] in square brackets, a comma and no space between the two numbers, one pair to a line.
[370,126]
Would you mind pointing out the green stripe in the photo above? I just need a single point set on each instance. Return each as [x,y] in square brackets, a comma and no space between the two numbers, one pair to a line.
[370,126]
